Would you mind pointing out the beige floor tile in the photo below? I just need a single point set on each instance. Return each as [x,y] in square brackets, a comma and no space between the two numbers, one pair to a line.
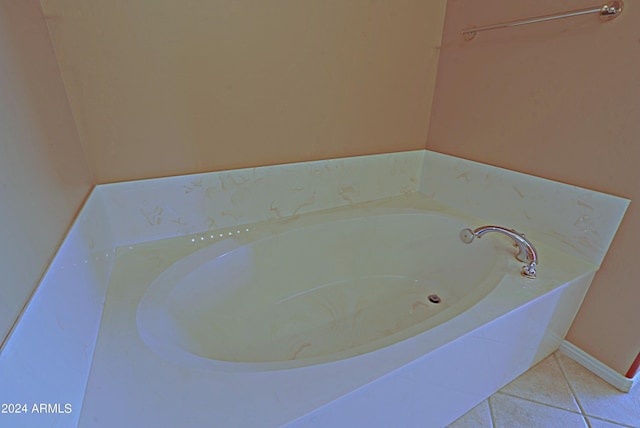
[478,417]
[599,423]
[510,412]
[544,383]
[600,399]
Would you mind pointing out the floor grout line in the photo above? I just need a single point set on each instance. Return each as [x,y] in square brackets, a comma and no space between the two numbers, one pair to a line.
[622,424]
[566,380]
[539,403]
[585,418]
[491,412]
[587,421]
[584,413]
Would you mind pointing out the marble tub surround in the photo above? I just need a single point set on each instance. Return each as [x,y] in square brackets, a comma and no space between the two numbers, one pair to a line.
[49,353]
[575,220]
[571,228]
[579,221]
[145,210]
[149,389]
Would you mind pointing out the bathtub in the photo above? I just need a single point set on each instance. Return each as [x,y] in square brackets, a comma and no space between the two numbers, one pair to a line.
[304,295]
[325,319]
[317,290]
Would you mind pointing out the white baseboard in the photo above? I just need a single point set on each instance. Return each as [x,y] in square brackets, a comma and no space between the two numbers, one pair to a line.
[598,368]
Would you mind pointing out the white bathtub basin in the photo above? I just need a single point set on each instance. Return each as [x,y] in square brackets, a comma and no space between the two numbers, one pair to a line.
[317,292]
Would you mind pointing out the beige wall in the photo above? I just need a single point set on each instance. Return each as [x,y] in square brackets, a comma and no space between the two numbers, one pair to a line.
[559,100]
[162,87]
[43,174]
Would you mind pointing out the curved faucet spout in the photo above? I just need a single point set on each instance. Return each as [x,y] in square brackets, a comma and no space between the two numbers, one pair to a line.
[526,251]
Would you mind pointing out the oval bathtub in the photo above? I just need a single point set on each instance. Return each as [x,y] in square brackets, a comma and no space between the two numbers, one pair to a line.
[317,292]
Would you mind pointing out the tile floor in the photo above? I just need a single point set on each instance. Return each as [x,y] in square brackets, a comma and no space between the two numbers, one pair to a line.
[557,392]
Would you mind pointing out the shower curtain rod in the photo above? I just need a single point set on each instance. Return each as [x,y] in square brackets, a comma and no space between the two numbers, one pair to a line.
[607,12]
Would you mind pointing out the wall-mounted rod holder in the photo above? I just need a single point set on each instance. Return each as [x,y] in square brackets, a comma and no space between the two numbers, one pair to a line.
[606,13]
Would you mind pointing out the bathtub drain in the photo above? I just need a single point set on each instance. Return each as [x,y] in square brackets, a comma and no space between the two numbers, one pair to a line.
[434,298]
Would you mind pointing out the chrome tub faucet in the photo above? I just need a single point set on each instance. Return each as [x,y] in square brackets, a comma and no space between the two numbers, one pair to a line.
[526,251]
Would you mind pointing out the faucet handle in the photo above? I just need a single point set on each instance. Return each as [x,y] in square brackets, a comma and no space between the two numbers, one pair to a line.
[467,236]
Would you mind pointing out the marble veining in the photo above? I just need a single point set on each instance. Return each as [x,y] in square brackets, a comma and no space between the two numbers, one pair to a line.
[579,221]
[162,208]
